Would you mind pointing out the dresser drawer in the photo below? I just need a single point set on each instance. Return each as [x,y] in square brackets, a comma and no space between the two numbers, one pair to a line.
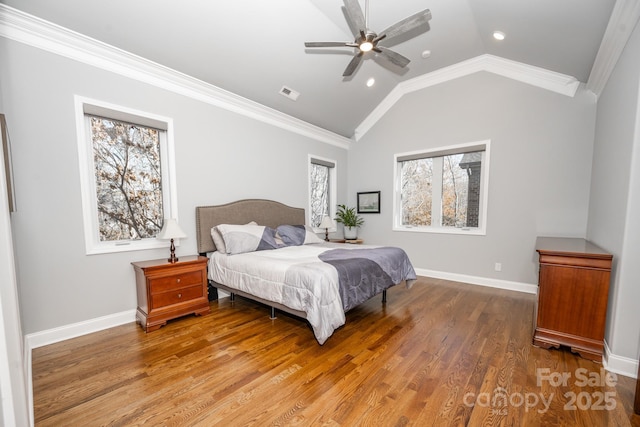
[178,281]
[176,296]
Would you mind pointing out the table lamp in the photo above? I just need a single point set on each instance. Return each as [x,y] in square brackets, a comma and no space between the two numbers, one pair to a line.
[326,223]
[171,230]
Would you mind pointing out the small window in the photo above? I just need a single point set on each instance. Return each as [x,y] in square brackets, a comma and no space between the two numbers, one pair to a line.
[443,190]
[322,189]
[126,160]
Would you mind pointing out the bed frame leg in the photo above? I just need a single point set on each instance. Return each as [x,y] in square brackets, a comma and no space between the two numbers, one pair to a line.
[232,296]
[384,296]
[273,313]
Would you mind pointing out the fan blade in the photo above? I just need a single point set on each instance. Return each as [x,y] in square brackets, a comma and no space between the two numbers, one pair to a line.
[354,13]
[379,38]
[394,57]
[329,44]
[407,24]
[352,65]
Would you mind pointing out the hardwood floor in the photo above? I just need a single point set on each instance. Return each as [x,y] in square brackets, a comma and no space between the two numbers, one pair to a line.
[441,353]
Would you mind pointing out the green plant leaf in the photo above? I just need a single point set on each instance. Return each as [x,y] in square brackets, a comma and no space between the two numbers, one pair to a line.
[348,217]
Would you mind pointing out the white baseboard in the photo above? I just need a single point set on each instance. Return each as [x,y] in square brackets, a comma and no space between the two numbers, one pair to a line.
[50,336]
[482,281]
[619,364]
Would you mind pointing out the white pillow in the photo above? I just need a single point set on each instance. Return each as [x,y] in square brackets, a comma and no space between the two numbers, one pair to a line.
[216,236]
[218,240]
[239,239]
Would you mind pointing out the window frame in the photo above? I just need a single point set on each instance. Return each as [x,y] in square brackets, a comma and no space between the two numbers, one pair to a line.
[85,107]
[333,187]
[442,151]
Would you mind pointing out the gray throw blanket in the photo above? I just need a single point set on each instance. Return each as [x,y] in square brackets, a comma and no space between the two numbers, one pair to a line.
[364,273]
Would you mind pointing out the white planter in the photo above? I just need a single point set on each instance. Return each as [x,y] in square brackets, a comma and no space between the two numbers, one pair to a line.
[350,233]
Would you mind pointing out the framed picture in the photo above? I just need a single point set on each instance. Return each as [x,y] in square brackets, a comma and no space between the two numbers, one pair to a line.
[6,155]
[369,202]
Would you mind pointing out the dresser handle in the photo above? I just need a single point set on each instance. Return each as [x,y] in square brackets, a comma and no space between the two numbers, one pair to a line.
[178,280]
[179,295]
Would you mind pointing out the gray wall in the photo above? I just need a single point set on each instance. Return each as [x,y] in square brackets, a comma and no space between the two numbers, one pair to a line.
[614,208]
[540,165]
[220,157]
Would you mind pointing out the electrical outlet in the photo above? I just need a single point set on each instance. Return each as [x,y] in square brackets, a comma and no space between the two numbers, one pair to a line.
[498,266]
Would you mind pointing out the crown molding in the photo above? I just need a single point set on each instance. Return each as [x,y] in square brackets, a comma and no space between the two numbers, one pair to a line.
[624,18]
[536,76]
[30,30]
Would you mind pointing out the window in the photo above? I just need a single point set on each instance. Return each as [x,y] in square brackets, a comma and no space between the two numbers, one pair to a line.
[322,190]
[127,176]
[443,190]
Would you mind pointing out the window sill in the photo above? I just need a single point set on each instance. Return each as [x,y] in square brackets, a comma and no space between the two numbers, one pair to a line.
[128,246]
[443,230]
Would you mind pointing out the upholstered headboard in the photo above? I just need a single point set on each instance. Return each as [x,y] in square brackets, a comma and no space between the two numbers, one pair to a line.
[264,212]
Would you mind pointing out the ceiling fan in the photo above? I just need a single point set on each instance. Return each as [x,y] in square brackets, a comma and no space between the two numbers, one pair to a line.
[367,41]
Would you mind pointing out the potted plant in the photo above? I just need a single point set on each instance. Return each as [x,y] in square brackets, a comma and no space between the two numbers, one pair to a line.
[351,221]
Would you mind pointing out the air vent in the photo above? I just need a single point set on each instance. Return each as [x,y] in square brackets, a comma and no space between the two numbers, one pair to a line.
[289,93]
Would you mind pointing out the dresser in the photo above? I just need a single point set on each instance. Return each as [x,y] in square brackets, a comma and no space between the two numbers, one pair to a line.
[573,291]
[168,290]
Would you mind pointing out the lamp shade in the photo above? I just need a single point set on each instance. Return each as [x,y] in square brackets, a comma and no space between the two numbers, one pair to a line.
[327,222]
[170,230]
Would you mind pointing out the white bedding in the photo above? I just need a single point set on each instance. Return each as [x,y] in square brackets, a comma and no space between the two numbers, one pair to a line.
[273,275]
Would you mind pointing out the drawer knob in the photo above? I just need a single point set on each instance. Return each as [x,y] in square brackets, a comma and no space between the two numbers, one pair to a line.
[179,295]
[178,280]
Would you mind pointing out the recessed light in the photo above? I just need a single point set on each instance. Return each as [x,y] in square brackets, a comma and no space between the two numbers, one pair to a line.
[371,82]
[498,35]
[426,53]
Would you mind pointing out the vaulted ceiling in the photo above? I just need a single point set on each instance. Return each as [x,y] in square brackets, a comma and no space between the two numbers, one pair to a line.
[255,47]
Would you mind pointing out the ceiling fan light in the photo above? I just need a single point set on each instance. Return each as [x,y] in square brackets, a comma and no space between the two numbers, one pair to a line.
[366,46]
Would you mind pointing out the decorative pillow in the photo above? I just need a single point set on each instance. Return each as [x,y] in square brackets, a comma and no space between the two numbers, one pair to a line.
[239,239]
[216,236]
[296,235]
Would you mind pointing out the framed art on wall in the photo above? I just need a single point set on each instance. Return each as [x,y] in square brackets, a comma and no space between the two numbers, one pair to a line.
[369,202]
[6,154]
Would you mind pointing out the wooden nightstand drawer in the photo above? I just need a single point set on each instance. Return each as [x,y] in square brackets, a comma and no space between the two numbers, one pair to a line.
[169,290]
[175,296]
[178,281]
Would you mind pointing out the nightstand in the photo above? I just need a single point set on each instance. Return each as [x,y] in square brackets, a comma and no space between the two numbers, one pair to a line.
[169,290]
[351,241]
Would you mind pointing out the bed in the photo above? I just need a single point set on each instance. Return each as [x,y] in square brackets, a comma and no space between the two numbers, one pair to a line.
[269,256]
